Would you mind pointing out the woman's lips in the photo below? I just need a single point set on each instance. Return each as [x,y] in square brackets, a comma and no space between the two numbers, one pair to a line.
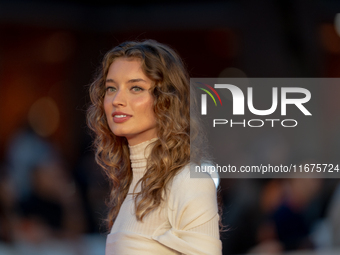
[120,117]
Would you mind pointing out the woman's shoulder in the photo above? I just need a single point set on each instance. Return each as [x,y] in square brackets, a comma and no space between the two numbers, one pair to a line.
[189,181]
[192,201]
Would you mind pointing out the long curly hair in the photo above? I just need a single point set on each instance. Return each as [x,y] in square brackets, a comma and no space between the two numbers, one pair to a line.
[171,152]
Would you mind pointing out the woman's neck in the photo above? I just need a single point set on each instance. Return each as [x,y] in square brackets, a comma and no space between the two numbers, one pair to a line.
[139,154]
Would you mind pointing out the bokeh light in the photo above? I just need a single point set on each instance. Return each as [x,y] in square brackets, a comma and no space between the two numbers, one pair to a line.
[43,116]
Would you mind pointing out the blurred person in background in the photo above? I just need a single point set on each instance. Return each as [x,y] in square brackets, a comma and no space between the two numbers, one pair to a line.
[53,203]
[141,119]
[26,150]
[40,206]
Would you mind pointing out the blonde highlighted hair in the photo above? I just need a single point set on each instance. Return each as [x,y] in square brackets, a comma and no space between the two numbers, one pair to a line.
[171,152]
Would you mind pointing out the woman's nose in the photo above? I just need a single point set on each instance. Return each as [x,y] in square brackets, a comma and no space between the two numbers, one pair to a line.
[119,99]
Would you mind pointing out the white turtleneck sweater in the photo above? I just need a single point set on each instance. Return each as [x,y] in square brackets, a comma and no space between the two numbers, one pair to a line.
[186,223]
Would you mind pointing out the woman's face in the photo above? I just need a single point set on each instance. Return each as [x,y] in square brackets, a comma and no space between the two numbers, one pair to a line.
[128,103]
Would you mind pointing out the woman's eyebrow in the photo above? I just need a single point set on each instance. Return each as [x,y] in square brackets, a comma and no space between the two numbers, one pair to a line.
[129,81]
[136,80]
[110,81]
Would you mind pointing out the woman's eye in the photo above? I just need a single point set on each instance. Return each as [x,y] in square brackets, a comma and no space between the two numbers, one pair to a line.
[137,89]
[110,89]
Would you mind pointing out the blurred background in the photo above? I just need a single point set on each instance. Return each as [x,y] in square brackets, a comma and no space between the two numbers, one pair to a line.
[52,194]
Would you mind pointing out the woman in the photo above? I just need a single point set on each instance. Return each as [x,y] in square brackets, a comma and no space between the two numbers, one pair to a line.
[141,119]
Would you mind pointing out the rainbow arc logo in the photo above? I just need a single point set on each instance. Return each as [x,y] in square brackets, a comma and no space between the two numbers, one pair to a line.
[204,97]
